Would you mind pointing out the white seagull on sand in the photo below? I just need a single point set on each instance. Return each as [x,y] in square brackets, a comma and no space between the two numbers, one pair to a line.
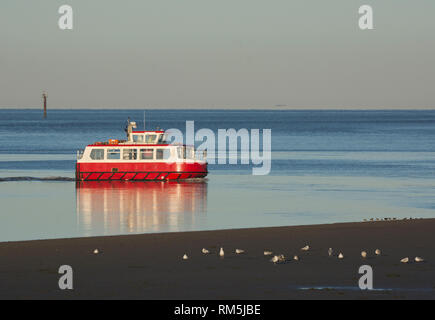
[185,257]
[221,252]
[378,252]
[96,251]
[363,254]
[405,260]
[275,259]
[340,256]
[306,248]
[418,259]
[330,252]
[205,251]
[268,253]
[296,258]
[239,251]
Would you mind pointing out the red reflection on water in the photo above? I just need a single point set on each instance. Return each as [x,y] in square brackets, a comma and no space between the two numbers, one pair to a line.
[121,207]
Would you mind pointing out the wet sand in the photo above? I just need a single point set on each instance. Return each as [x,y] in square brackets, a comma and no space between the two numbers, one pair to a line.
[150,266]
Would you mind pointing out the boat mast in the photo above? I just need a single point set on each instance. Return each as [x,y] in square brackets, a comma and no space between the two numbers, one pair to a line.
[129,129]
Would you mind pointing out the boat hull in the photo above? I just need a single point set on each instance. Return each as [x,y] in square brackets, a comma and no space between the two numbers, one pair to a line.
[139,171]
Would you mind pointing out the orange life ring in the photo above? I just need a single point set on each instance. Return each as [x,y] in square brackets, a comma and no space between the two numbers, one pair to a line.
[113,141]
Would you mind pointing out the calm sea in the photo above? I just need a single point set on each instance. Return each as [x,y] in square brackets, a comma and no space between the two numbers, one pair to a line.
[328,166]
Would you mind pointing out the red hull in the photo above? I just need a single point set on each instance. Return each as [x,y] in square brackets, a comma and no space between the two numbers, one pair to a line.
[139,171]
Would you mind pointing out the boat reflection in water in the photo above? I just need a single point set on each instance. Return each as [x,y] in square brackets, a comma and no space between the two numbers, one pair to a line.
[120,207]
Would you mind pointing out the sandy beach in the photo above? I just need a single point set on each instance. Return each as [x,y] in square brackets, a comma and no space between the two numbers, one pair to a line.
[150,266]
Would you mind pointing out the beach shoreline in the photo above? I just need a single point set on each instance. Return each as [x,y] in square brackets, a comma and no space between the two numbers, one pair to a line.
[150,266]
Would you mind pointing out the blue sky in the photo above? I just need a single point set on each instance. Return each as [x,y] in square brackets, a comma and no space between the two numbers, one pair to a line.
[214,54]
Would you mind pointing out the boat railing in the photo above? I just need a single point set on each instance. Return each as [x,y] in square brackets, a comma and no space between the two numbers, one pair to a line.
[80,153]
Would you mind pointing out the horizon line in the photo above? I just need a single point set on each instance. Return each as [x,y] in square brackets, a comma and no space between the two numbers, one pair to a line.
[265,108]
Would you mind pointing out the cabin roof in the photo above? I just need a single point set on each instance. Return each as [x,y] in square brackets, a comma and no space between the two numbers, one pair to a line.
[156,131]
[107,145]
[128,145]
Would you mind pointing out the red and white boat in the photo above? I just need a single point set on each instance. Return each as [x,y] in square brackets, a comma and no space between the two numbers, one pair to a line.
[145,155]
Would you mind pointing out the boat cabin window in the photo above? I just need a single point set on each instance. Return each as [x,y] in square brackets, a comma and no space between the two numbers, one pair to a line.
[138,138]
[129,154]
[161,139]
[181,152]
[113,154]
[146,154]
[97,154]
[186,153]
[190,153]
[150,138]
[163,154]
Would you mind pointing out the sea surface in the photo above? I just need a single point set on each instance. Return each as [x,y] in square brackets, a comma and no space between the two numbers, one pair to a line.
[327,167]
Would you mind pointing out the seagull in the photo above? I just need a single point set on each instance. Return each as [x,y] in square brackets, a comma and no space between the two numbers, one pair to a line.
[275,259]
[296,258]
[306,248]
[221,252]
[363,254]
[330,252]
[96,251]
[340,256]
[239,251]
[268,253]
[405,260]
[185,257]
[418,259]
[205,251]
[378,252]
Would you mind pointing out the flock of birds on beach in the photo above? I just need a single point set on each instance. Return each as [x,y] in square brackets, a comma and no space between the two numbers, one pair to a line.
[281,258]
[391,219]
